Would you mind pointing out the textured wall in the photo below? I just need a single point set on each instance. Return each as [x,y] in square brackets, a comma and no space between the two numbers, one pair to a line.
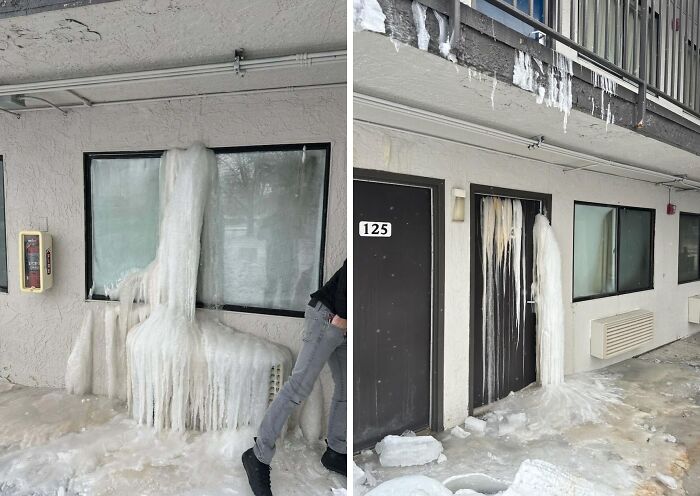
[43,153]
[459,166]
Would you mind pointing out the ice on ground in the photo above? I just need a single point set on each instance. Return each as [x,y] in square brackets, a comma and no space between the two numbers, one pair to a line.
[406,451]
[537,477]
[667,481]
[411,485]
[475,484]
[475,425]
[460,433]
[55,443]
[358,475]
[368,16]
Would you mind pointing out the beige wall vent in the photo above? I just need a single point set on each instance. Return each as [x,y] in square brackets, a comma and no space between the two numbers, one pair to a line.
[620,333]
[694,309]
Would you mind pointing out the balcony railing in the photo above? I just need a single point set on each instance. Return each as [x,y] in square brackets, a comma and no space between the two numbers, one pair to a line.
[653,43]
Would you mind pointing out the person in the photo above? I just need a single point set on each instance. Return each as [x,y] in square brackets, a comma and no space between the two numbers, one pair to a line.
[324,340]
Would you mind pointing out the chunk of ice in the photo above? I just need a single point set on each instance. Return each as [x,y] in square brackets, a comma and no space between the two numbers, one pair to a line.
[411,485]
[475,425]
[401,451]
[460,433]
[667,481]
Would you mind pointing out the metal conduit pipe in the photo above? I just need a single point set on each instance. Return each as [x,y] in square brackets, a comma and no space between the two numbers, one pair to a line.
[593,161]
[303,60]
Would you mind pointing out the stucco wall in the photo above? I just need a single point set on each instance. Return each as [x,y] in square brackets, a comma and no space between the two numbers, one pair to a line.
[43,155]
[459,166]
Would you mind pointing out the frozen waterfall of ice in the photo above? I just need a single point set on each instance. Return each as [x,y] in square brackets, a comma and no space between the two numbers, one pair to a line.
[79,366]
[179,369]
[502,253]
[547,293]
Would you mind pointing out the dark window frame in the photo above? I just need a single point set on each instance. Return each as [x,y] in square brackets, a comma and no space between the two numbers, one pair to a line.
[617,292]
[89,156]
[678,254]
[4,289]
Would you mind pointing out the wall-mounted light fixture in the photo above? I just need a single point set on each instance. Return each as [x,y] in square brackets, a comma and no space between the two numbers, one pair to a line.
[458,208]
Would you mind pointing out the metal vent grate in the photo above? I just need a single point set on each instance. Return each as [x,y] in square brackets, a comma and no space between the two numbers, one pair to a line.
[276,381]
[614,335]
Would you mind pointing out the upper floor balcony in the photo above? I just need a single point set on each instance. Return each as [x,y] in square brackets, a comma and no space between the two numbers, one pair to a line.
[652,44]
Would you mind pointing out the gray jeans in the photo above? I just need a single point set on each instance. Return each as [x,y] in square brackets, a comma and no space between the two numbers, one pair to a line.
[323,342]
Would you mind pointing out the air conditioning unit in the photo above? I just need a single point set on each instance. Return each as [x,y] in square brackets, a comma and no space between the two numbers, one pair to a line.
[614,335]
[694,309]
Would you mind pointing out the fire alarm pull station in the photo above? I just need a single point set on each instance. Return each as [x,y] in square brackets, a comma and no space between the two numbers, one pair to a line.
[36,261]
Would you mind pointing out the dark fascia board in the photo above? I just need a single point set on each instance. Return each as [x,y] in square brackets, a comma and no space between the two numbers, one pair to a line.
[15,8]
[488,45]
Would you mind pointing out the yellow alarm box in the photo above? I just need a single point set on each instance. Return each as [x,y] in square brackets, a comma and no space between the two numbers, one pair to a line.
[35,261]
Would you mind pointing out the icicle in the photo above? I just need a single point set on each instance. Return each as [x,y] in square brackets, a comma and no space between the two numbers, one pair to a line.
[547,293]
[523,73]
[488,227]
[515,263]
[445,44]
[419,14]
[79,367]
[493,91]
[368,16]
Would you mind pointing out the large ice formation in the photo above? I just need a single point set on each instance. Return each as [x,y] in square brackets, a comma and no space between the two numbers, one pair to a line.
[502,258]
[547,293]
[183,370]
[419,15]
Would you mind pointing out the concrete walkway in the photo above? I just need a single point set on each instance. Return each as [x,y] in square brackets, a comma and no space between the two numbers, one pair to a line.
[625,429]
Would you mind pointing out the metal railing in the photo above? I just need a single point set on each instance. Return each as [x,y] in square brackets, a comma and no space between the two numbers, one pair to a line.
[654,43]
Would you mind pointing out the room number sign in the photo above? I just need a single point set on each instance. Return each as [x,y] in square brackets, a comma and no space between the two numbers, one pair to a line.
[375,229]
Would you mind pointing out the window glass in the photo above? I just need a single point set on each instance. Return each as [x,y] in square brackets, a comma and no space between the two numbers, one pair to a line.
[594,248]
[125,216]
[270,221]
[689,245]
[635,249]
[3,234]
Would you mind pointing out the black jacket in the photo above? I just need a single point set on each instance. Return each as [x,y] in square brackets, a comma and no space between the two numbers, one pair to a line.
[334,294]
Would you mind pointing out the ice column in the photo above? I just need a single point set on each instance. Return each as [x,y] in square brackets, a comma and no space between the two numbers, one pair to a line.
[547,293]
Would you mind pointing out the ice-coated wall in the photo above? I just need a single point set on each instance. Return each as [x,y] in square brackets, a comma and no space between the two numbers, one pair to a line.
[394,151]
[43,156]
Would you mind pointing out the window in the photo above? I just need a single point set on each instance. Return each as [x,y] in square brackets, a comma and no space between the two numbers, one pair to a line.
[688,247]
[270,221]
[123,216]
[613,250]
[500,15]
[3,236]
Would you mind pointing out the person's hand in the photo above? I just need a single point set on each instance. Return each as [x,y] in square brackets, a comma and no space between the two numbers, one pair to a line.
[339,322]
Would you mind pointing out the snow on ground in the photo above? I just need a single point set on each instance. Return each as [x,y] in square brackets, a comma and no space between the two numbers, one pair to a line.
[630,429]
[53,443]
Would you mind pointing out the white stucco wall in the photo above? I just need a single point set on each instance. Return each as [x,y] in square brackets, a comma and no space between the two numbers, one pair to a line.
[43,156]
[459,166]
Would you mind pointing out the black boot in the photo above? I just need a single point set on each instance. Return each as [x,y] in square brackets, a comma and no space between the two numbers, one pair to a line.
[258,474]
[335,462]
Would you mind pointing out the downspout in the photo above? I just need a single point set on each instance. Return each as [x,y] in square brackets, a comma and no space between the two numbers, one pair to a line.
[456,21]
[642,89]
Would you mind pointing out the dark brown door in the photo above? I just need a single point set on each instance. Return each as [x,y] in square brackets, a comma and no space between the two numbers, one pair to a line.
[393,305]
[503,350]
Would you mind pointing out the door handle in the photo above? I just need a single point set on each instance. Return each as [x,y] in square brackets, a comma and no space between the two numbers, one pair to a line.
[531,301]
